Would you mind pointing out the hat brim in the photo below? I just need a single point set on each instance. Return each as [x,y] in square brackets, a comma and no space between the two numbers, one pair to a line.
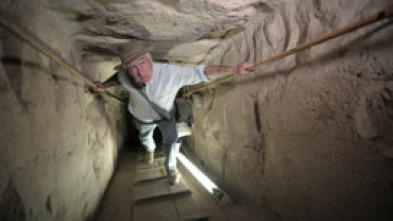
[137,54]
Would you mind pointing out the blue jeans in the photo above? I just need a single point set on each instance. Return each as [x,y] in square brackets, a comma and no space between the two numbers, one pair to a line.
[170,142]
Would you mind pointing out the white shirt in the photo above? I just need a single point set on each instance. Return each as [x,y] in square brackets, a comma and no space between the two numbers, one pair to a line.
[162,89]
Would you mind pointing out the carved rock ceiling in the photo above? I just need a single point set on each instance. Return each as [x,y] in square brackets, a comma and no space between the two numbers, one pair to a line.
[162,23]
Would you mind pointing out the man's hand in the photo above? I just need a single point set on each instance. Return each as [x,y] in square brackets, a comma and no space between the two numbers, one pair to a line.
[99,86]
[241,69]
[102,86]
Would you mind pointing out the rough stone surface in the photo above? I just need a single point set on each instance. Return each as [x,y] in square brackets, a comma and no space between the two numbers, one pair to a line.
[59,143]
[308,137]
[162,23]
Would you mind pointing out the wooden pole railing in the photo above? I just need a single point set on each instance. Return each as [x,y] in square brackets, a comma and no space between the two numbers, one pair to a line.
[46,51]
[387,13]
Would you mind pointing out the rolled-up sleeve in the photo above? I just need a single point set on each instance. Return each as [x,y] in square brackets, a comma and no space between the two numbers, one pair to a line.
[201,72]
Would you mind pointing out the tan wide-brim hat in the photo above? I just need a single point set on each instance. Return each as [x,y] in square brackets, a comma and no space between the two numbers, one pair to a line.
[131,50]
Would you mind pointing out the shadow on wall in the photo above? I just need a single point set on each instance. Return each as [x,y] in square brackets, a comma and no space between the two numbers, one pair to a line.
[131,141]
[11,206]
[16,61]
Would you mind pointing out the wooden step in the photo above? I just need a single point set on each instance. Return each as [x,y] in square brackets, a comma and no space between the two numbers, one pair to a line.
[158,189]
[155,199]
[188,209]
[141,155]
[159,162]
[155,173]
[175,209]
[155,211]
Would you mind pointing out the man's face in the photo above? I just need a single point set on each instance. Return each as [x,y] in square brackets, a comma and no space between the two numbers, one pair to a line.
[141,68]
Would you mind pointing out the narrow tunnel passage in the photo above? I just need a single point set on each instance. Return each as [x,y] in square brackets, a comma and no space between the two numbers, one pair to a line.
[307,137]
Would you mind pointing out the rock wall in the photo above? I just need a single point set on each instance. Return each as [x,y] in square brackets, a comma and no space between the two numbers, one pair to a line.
[309,136]
[59,143]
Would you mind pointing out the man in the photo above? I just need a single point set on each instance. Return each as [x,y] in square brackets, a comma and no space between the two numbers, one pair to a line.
[159,82]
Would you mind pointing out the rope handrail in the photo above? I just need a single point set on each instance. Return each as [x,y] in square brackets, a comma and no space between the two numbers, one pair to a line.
[25,37]
[386,13]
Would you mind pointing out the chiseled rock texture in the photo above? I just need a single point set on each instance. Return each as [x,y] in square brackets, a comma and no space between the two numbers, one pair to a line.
[310,136]
[59,143]
[307,137]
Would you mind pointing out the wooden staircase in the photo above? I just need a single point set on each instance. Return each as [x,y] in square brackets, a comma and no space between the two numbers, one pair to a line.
[154,199]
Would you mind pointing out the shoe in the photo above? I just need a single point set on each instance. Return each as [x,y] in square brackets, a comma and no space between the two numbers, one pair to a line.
[173,176]
[149,157]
